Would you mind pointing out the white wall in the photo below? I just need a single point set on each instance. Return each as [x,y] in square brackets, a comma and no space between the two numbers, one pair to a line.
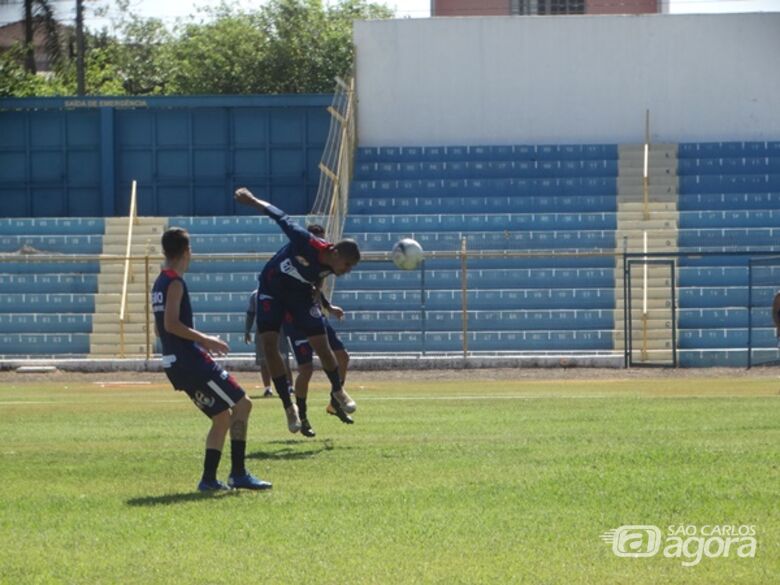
[569,79]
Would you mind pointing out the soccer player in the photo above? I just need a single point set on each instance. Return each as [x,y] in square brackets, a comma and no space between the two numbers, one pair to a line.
[287,286]
[265,375]
[776,316]
[189,367]
[303,353]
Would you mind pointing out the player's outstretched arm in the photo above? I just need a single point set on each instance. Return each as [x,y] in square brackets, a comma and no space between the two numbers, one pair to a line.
[174,326]
[291,229]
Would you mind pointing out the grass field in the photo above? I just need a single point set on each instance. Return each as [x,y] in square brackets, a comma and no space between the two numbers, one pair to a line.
[440,481]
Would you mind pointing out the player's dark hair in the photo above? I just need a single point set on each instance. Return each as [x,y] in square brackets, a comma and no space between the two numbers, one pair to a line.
[348,249]
[316,229]
[175,242]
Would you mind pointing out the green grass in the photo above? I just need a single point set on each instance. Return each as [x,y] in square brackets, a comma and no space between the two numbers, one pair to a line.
[438,482]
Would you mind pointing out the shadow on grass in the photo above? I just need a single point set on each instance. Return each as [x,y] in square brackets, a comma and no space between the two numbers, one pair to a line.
[289,453]
[168,499]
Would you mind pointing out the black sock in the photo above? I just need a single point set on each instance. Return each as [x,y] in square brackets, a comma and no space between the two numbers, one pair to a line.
[237,453]
[283,390]
[335,381]
[210,464]
[301,402]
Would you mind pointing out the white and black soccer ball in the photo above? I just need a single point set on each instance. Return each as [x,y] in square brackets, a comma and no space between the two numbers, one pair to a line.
[407,254]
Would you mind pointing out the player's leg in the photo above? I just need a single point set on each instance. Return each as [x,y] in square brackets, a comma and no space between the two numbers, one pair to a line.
[265,376]
[270,315]
[303,357]
[226,390]
[341,404]
[342,357]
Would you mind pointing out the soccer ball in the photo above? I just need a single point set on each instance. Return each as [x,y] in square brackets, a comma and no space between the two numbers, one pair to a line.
[407,254]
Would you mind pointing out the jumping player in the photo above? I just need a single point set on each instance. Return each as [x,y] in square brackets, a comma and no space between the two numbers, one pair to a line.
[287,286]
[303,353]
[189,367]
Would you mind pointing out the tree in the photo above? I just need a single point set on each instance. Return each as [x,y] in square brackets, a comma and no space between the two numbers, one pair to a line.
[38,15]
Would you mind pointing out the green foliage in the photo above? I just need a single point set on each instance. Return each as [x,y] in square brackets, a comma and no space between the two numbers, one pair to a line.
[16,81]
[284,46]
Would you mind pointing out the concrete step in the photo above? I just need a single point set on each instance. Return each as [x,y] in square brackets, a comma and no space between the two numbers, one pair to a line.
[118,266]
[637,171]
[639,206]
[107,282]
[111,318]
[671,216]
[653,224]
[113,338]
[113,327]
[660,149]
[635,182]
[659,337]
[137,249]
[112,349]
[655,193]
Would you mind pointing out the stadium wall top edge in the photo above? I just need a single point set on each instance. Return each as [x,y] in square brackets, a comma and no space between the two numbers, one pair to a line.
[165,102]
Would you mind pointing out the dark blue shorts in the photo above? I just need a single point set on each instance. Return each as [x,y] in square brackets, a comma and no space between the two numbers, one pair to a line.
[210,387]
[301,346]
[273,306]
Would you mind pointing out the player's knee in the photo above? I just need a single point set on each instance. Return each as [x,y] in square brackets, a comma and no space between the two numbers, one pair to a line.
[343,356]
[245,404]
[221,421]
[305,371]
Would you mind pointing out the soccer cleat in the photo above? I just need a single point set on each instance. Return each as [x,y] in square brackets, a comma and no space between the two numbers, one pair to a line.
[248,482]
[334,409]
[306,429]
[344,401]
[268,393]
[293,420]
[213,485]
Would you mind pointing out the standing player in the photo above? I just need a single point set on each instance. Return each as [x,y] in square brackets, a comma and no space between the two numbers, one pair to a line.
[776,316]
[287,286]
[265,375]
[190,368]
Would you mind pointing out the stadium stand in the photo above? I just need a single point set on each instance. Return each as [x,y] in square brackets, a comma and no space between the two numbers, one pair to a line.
[554,198]
[720,198]
[46,307]
[729,201]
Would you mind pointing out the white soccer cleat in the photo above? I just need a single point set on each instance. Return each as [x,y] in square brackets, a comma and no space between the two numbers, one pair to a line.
[293,420]
[345,402]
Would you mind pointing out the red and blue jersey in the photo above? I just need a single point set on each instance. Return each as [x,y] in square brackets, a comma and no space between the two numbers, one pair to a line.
[297,266]
[183,352]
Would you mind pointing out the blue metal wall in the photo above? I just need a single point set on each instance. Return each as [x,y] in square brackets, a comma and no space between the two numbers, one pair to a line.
[77,157]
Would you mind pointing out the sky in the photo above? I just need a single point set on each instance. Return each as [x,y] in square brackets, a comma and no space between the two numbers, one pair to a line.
[170,10]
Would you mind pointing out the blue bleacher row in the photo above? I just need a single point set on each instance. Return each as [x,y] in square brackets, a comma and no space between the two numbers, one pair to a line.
[728,149]
[528,204]
[481,222]
[598,186]
[487,153]
[756,183]
[369,171]
[232,225]
[411,320]
[550,204]
[729,166]
[748,237]
[71,226]
[741,219]
[53,244]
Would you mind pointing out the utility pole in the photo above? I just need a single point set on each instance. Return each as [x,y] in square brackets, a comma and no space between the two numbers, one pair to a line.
[80,47]
[29,49]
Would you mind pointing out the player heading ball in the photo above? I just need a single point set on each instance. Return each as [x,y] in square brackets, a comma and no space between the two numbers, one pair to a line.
[287,285]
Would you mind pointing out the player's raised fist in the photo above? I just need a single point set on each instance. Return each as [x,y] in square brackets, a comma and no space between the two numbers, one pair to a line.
[243,195]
